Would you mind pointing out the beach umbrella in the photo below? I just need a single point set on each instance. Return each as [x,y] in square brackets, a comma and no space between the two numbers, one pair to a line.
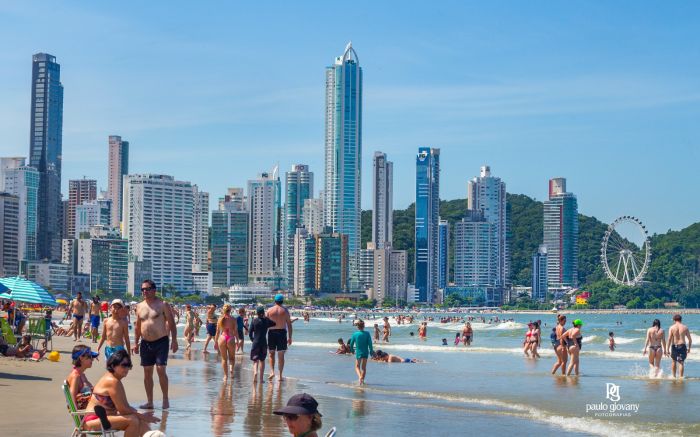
[61,301]
[23,290]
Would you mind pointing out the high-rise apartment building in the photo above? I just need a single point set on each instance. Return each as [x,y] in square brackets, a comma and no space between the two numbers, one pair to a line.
[426,224]
[118,167]
[105,260]
[320,262]
[367,267]
[382,201]
[229,241]
[200,232]
[22,181]
[299,188]
[9,235]
[94,213]
[539,274]
[561,235]
[45,151]
[343,153]
[304,263]
[313,215]
[79,191]
[443,253]
[158,216]
[487,194]
[390,270]
[476,254]
[264,206]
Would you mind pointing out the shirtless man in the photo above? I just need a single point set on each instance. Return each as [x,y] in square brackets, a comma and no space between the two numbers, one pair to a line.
[467,333]
[94,317]
[277,335]
[656,342]
[387,330]
[78,308]
[212,320]
[677,335]
[189,326]
[154,319]
[115,331]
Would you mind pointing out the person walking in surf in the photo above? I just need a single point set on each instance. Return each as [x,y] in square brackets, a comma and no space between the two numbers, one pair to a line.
[560,348]
[656,343]
[361,342]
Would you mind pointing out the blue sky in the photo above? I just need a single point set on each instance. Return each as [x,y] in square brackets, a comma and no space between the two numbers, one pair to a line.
[606,94]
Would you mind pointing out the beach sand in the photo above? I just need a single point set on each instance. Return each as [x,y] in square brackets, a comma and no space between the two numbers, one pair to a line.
[32,400]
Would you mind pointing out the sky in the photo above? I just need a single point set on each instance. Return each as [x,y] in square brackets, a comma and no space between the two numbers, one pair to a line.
[606,94]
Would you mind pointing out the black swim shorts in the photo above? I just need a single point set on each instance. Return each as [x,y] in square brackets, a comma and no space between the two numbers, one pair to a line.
[154,352]
[679,352]
[258,352]
[277,339]
[211,329]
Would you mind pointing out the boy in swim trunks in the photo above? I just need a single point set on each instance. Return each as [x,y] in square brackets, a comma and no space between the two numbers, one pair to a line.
[258,337]
[115,331]
[361,341]
[94,317]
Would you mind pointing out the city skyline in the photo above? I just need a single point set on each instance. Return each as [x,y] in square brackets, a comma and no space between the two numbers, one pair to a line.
[630,110]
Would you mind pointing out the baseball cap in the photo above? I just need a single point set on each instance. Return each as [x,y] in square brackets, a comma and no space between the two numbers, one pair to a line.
[117,301]
[300,404]
[279,298]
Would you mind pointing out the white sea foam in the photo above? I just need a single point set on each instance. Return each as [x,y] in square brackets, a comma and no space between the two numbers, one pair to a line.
[623,340]
[590,339]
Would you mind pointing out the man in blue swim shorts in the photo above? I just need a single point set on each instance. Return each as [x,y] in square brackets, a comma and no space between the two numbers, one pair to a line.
[94,317]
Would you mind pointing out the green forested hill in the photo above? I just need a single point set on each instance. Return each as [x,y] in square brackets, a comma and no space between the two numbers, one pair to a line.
[673,273]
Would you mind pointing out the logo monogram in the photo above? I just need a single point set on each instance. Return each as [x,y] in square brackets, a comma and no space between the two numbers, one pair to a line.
[613,392]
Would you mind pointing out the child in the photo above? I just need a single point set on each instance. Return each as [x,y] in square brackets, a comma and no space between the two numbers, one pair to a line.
[457,339]
[258,337]
[376,332]
[611,340]
[444,342]
[553,339]
[342,348]
[362,342]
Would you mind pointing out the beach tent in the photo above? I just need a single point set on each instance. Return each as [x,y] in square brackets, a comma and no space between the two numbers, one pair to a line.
[23,290]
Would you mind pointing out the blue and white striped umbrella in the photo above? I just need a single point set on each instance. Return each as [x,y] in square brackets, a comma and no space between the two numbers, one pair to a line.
[23,290]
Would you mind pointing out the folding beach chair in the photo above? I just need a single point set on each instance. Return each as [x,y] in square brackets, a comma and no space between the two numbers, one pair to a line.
[37,329]
[7,333]
[78,417]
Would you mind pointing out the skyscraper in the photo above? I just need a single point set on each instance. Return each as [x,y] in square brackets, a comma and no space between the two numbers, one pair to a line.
[476,256]
[95,213]
[487,194]
[22,181]
[264,205]
[343,160]
[539,274]
[389,279]
[118,168]
[229,241]
[426,224]
[382,201]
[443,253]
[313,215]
[561,235]
[9,235]
[200,231]
[45,151]
[79,191]
[158,215]
[299,188]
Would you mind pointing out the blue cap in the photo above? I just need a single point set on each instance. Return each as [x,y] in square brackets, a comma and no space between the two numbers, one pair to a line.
[279,298]
[86,351]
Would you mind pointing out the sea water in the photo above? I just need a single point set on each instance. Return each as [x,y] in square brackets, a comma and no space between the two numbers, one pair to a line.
[489,387]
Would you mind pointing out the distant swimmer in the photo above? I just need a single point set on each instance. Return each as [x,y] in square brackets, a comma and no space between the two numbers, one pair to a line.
[573,339]
[423,331]
[560,349]
[677,335]
[656,342]
[444,342]
[388,358]
[361,341]
[467,334]
[611,341]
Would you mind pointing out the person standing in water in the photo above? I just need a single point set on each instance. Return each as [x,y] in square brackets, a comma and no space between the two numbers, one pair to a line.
[467,334]
[611,341]
[677,335]
[573,339]
[189,326]
[656,343]
[387,330]
[376,333]
[258,349]
[361,341]
[560,349]
[212,320]
[277,337]
[225,340]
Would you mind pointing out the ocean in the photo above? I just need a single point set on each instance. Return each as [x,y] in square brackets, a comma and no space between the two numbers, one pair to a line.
[489,387]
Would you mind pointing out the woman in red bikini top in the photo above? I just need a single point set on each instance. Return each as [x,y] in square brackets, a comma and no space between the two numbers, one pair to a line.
[109,393]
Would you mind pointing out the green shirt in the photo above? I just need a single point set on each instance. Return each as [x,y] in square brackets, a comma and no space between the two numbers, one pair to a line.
[361,341]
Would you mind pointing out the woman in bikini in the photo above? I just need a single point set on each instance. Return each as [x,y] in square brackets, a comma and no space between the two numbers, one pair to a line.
[656,342]
[535,339]
[226,340]
[109,393]
[574,342]
[560,348]
[527,343]
[78,384]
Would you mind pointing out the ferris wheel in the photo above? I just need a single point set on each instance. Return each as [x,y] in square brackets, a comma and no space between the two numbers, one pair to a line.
[625,261]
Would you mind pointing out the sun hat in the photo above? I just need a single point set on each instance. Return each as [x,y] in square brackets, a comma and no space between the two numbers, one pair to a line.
[300,404]
[84,351]
[279,298]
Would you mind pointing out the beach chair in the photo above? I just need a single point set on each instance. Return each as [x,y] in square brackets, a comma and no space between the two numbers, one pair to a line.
[331,432]
[37,329]
[7,333]
[78,417]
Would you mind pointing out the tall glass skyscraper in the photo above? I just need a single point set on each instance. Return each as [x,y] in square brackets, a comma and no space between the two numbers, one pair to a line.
[342,208]
[45,151]
[427,221]
[299,187]
[229,241]
[561,235]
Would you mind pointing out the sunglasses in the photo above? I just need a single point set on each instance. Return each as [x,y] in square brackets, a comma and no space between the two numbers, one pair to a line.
[147,289]
[290,417]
